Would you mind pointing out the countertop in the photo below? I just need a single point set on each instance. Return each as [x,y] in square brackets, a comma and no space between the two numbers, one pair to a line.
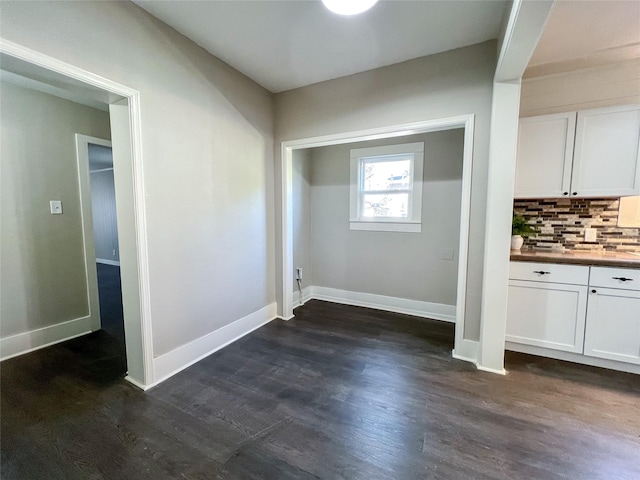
[609,259]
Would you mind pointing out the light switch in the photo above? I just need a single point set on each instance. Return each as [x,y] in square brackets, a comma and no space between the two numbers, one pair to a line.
[56,207]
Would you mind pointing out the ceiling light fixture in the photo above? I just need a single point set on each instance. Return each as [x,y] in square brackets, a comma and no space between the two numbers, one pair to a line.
[349,7]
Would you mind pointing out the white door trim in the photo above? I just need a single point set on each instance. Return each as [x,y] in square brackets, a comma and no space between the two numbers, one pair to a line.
[286,188]
[139,243]
[86,217]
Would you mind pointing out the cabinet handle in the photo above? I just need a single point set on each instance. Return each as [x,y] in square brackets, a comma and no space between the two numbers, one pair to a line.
[574,193]
[541,272]
[623,279]
[594,291]
[565,193]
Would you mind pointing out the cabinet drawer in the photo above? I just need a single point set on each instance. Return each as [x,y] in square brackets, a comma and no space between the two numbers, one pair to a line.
[607,277]
[549,273]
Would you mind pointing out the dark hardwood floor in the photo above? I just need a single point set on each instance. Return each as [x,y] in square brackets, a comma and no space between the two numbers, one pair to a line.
[338,393]
[111,316]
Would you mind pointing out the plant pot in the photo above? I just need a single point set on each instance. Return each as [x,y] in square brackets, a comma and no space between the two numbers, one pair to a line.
[516,242]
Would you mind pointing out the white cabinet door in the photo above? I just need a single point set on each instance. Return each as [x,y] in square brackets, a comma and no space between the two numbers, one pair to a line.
[549,315]
[605,162]
[545,153]
[613,325]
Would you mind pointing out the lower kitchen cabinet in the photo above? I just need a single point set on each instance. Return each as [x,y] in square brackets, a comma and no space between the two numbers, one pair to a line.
[549,315]
[578,313]
[613,325]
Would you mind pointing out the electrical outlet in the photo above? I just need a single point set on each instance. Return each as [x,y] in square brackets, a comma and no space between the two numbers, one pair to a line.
[299,273]
[589,234]
[56,207]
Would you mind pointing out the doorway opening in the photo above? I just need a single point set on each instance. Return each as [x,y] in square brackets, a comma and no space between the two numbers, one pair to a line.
[463,349]
[100,230]
[66,81]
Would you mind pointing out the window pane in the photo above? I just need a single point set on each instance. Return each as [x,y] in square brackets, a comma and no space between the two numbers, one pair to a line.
[385,205]
[393,175]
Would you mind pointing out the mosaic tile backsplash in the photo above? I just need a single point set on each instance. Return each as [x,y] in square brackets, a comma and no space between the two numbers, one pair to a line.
[562,222]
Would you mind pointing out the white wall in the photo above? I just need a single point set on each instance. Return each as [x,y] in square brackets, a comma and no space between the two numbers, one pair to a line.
[603,86]
[449,84]
[42,279]
[395,264]
[207,143]
[301,205]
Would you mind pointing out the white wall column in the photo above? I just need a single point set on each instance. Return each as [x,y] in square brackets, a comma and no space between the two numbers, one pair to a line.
[522,31]
[502,167]
[139,348]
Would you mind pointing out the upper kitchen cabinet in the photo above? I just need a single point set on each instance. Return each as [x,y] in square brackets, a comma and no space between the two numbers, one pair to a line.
[605,159]
[590,153]
[545,153]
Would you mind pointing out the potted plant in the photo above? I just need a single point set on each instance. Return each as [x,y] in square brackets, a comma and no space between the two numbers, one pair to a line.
[520,229]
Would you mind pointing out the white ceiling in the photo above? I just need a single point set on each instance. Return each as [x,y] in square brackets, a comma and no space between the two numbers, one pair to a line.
[288,44]
[580,34]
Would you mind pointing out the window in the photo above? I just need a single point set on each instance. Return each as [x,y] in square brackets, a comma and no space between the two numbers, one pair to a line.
[386,188]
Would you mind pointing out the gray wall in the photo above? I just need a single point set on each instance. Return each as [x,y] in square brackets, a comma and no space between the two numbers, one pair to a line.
[103,210]
[397,264]
[449,84]
[207,147]
[42,279]
[301,206]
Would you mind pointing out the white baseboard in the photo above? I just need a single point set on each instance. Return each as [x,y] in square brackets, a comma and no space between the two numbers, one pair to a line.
[306,296]
[43,337]
[436,311]
[168,364]
[573,357]
[498,371]
[138,383]
[108,262]
[466,350]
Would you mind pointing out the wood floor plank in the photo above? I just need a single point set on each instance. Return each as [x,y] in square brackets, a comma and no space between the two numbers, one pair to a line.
[339,392]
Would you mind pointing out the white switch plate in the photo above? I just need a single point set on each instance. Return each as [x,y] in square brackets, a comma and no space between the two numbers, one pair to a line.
[56,207]
[589,234]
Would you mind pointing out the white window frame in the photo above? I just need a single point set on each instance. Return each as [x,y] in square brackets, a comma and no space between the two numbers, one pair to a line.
[359,156]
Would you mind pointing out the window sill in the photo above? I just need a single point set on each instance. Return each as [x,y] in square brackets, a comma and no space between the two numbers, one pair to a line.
[386,227]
